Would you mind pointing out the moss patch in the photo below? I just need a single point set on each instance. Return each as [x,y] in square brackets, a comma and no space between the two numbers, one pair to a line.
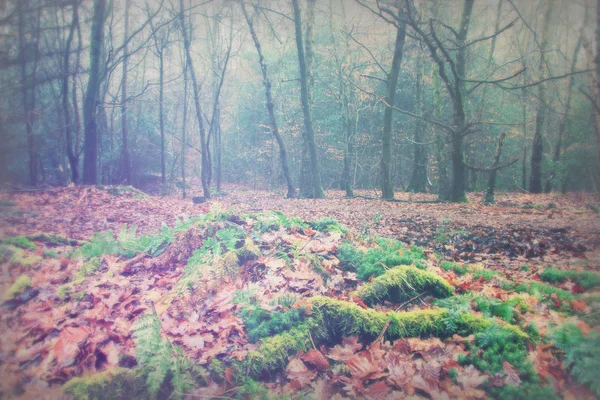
[117,383]
[587,279]
[21,242]
[403,283]
[22,283]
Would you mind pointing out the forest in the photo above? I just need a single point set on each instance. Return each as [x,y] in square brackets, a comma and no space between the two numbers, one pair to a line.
[300,199]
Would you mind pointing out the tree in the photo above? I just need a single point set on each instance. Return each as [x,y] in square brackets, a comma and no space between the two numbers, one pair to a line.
[387,189]
[418,180]
[204,165]
[537,147]
[91,95]
[72,146]
[309,135]
[291,191]
[125,158]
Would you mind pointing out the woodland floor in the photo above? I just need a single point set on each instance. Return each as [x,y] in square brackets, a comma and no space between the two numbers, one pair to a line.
[83,305]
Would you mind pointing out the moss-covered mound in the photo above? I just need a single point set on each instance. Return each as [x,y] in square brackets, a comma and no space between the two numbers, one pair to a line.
[403,283]
[331,320]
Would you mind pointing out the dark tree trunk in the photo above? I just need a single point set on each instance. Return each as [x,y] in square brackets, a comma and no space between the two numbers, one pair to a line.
[28,80]
[72,155]
[489,194]
[537,147]
[418,180]
[90,158]
[291,191]
[309,134]
[183,125]
[387,188]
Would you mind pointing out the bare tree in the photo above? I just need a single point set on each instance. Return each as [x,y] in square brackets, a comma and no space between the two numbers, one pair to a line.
[309,134]
[291,191]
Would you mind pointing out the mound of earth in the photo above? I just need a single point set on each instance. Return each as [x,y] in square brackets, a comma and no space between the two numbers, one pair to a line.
[236,305]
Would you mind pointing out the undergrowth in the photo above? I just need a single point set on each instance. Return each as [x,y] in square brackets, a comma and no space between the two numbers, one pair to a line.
[21,283]
[461,269]
[260,323]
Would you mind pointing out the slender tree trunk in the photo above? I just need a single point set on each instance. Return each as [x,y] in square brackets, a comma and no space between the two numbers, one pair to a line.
[291,191]
[309,134]
[161,98]
[489,194]
[183,126]
[565,119]
[68,132]
[203,147]
[387,188]
[537,147]
[125,158]
[418,180]
[90,159]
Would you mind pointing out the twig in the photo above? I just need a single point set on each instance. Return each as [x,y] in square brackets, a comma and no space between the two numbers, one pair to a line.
[311,340]
[380,337]
[409,301]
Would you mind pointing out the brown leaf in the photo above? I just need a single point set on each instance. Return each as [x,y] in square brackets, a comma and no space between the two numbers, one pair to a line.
[67,346]
[470,377]
[315,358]
[297,371]
[378,390]
[512,374]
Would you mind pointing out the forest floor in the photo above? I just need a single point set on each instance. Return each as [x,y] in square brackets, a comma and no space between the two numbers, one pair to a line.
[254,295]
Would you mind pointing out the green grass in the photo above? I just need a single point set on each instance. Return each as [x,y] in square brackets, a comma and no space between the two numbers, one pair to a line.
[587,279]
[49,254]
[544,291]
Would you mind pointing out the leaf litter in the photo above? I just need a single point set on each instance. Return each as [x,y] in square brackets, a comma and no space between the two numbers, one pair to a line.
[62,327]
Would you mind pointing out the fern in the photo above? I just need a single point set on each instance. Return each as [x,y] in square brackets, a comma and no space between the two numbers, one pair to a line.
[163,364]
[229,237]
[582,354]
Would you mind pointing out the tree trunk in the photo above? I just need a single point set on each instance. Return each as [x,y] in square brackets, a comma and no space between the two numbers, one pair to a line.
[489,194]
[161,72]
[125,158]
[458,193]
[443,181]
[537,147]
[203,148]
[183,123]
[28,81]
[68,132]
[387,188]
[89,107]
[291,191]
[309,134]
[418,180]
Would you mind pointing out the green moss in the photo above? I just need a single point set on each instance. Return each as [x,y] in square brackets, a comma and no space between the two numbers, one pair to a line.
[544,291]
[328,224]
[403,283]
[54,240]
[273,352]
[49,254]
[385,254]
[260,323]
[63,292]
[117,383]
[19,257]
[23,282]
[21,242]
[587,279]
[452,266]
